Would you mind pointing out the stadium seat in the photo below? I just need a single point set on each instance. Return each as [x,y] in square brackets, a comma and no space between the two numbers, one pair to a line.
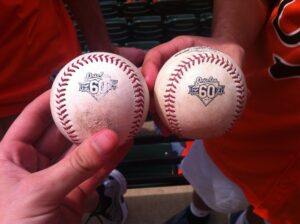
[181,24]
[118,30]
[110,8]
[198,7]
[165,7]
[147,28]
[205,21]
[135,8]
[146,45]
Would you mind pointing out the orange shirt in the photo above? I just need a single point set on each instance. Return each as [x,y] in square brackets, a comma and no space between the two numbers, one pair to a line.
[262,152]
[37,39]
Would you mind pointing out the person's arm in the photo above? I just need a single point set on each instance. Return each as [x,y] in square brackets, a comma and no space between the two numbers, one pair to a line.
[91,22]
[239,22]
[236,25]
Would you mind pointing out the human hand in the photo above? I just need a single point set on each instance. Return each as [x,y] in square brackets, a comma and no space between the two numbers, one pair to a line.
[135,55]
[157,56]
[43,178]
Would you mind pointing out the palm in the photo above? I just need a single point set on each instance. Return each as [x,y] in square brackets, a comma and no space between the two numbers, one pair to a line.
[17,171]
[43,180]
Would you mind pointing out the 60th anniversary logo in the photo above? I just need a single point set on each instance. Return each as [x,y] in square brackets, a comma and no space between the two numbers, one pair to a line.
[97,84]
[206,89]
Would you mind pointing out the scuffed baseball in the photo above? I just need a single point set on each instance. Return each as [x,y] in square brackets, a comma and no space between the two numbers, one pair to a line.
[99,90]
[200,93]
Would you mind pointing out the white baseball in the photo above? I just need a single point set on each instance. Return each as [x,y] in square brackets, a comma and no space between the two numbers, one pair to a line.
[200,93]
[99,90]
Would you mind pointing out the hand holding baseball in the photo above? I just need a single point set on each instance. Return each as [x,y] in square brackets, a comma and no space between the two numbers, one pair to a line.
[157,57]
[52,190]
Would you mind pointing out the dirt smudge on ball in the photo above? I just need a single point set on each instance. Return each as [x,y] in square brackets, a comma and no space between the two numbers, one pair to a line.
[93,120]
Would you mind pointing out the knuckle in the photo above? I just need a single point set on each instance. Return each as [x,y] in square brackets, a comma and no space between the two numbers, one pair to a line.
[80,163]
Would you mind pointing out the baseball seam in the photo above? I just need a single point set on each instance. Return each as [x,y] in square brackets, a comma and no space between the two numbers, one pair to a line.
[60,94]
[180,71]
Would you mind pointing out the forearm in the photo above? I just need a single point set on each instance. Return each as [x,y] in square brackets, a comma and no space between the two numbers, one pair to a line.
[91,22]
[239,22]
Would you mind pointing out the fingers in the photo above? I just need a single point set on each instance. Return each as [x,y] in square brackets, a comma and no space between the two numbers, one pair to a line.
[157,56]
[32,122]
[80,164]
[150,71]
[135,55]
[153,62]
[52,143]
[90,184]
[35,126]
[162,127]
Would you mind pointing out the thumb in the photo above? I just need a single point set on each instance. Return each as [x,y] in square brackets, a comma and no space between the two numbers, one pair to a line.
[80,164]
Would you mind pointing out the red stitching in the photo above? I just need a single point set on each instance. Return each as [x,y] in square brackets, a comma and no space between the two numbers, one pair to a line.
[79,62]
[62,112]
[60,95]
[138,91]
[171,86]
[70,70]
[84,60]
[106,58]
[75,66]
[66,122]
[63,117]
[59,107]
[62,89]
[117,61]
[100,57]
[60,101]
[62,84]
[90,58]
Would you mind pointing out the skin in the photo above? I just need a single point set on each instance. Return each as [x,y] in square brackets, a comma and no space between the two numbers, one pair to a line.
[43,177]
[228,35]
[92,24]
[157,56]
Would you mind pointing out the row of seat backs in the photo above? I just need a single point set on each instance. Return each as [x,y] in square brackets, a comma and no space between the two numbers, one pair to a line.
[129,8]
[157,28]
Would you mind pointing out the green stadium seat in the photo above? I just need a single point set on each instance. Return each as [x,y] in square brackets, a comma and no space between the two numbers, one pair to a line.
[110,8]
[118,30]
[135,8]
[205,22]
[198,6]
[181,24]
[165,7]
[147,28]
[146,45]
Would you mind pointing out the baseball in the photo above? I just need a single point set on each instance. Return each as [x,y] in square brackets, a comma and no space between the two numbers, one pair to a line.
[99,90]
[200,93]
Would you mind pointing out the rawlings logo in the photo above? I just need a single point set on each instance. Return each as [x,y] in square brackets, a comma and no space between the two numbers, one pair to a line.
[206,89]
[97,84]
